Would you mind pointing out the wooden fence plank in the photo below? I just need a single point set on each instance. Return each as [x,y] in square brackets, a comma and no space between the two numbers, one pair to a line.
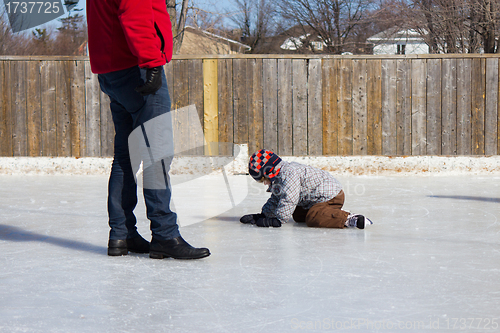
[498,120]
[389,107]
[195,83]
[169,73]
[187,126]
[449,107]
[107,126]
[345,107]
[92,114]
[433,109]
[270,103]
[314,109]
[491,111]
[403,107]
[19,118]
[299,107]
[256,113]
[48,91]
[195,91]
[78,108]
[211,110]
[182,123]
[34,108]
[360,108]
[478,104]
[418,106]
[285,107]
[63,116]
[330,106]
[225,88]
[240,101]
[5,112]
[464,106]
[180,90]
[374,93]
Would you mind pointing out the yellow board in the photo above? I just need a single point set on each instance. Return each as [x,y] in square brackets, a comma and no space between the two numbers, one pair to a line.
[211,104]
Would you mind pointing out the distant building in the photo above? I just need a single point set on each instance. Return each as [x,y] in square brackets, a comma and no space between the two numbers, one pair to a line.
[296,40]
[398,41]
[198,41]
[304,40]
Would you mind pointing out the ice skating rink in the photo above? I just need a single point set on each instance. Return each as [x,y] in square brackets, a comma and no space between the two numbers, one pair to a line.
[430,262]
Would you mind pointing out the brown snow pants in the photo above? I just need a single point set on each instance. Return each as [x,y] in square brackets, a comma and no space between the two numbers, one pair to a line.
[323,215]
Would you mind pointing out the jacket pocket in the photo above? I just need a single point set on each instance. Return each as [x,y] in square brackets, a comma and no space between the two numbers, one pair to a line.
[160,35]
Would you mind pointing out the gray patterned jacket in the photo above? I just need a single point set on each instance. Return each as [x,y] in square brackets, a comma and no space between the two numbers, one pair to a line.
[298,185]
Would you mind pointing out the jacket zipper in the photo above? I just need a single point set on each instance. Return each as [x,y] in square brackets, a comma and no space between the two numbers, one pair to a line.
[158,32]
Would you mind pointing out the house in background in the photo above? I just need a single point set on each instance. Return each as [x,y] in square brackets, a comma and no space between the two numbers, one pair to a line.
[398,41]
[296,40]
[304,40]
[198,41]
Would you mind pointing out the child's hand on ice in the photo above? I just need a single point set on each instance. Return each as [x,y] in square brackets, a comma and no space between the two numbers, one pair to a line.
[251,218]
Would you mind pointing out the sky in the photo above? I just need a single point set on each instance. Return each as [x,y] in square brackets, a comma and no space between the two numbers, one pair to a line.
[217,6]
[209,5]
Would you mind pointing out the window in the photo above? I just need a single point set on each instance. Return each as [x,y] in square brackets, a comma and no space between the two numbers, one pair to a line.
[317,46]
[401,49]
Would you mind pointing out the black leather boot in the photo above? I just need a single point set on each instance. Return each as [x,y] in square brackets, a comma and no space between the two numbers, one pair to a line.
[176,248]
[121,247]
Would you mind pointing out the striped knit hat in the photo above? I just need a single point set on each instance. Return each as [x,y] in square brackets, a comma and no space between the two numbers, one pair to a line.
[263,163]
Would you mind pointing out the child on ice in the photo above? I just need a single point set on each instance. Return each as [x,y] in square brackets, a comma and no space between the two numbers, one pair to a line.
[305,193]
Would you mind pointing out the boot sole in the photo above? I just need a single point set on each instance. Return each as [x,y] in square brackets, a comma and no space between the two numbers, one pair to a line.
[138,251]
[117,251]
[159,255]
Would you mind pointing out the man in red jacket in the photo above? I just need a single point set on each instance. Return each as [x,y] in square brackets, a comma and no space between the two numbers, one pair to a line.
[129,42]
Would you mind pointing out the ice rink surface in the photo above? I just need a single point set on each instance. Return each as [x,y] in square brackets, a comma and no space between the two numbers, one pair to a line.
[430,262]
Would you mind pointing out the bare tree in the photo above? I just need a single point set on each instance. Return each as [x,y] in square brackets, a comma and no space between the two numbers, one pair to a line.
[178,21]
[12,43]
[5,34]
[255,19]
[73,32]
[457,26]
[487,13]
[387,14]
[41,43]
[335,21]
[205,20]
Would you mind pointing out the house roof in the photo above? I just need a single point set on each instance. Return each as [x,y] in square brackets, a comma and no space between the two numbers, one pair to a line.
[396,33]
[290,41]
[215,36]
[197,41]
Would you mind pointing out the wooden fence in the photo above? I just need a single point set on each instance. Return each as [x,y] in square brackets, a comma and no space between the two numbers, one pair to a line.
[294,105]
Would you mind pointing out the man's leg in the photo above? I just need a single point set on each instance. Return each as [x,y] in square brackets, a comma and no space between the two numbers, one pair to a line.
[122,189]
[120,86]
[157,190]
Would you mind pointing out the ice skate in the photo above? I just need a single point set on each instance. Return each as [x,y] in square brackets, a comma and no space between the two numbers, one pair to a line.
[357,220]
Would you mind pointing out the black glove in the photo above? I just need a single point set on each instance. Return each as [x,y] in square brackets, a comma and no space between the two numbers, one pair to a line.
[153,82]
[268,222]
[251,218]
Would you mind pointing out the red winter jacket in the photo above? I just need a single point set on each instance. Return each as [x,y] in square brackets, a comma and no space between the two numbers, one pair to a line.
[127,33]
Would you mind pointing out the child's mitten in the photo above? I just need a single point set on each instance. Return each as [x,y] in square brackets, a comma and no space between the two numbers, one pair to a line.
[268,222]
[251,218]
